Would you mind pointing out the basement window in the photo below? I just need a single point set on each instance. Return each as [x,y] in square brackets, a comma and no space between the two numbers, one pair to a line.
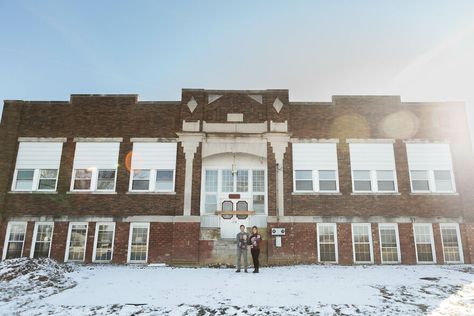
[76,242]
[424,243]
[451,241]
[138,243]
[42,238]
[327,242]
[362,243]
[15,240]
[103,242]
[389,243]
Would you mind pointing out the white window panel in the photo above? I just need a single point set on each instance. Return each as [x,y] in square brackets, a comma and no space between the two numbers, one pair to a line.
[303,180]
[362,243]
[103,242]
[431,168]
[76,242]
[389,243]
[327,242]
[42,240]
[424,243]
[37,166]
[451,242]
[14,240]
[138,242]
[154,155]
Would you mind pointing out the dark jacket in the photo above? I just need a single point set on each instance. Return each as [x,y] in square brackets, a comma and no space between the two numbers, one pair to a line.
[242,240]
[255,240]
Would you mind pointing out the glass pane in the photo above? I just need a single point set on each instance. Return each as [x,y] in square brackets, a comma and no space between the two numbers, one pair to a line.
[242,206]
[138,248]
[25,174]
[211,180]
[164,180]
[48,173]
[140,184]
[450,244]
[107,174]
[327,175]
[419,174]
[82,184]
[77,242]
[361,175]
[443,180]
[303,175]
[227,181]
[444,175]
[386,185]
[362,185]
[384,174]
[304,185]
[258,180]
[327,185]
[420,185]
[259,204]
[83,174]
[227,206]
[24,185]
[104,243]
[47,184]
[15,240]
[242,180]
[108,185]
[211,203]
[43,240]
[141,174]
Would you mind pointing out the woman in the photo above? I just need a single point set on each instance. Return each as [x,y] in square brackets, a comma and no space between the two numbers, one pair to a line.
[254,243]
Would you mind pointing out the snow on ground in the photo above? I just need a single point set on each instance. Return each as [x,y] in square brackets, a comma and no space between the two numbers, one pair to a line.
[295,290]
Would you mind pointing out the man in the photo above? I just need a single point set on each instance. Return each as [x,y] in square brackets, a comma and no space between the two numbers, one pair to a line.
[242,242]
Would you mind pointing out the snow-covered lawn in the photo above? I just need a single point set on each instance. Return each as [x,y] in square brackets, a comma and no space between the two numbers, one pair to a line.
[296,290]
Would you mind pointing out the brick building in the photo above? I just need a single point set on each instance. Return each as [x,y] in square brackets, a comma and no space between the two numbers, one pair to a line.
[361,179]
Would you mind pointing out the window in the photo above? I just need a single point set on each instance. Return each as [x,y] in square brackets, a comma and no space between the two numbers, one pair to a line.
[315,167]
[451,241]
[424,243]
[76,242]
[14,240]
[138,243]
[106,180]
[373,167]
[95,166]
[385,180]
[37,166]
[327,180]
[431,168]
[82,179]
[211,191]
[362,180]
[227,181]
[42,238]
[141,180]
[420,180]
[24,179]
[104,242]
[303,180]
[258,190]
[362,243]
[389,243]
[327,242]
[164,180]
[242,180]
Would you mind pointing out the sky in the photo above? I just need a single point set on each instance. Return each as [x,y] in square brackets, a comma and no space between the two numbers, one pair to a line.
[422,50]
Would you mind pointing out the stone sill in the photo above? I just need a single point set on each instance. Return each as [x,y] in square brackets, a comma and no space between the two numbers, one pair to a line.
[90,192]
[152,193]
[316,193]
[435,193]
[33,192]
[375,193]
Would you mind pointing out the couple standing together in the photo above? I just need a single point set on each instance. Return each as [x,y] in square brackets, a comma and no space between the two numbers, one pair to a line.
[244,240]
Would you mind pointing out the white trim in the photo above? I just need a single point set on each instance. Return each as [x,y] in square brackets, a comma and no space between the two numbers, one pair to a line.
[371,245]
[7,237]
[395,226]
[433,251]
[66,254]
[35,232]
[96,234]
[458,236]
[318,229]
[132,225]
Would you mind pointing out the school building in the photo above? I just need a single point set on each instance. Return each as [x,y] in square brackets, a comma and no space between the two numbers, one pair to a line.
[357,180]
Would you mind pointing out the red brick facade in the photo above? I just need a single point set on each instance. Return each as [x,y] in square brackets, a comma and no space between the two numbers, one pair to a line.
[176,238]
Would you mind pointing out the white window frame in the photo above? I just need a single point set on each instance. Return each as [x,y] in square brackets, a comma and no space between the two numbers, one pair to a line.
[96,235]
[458,235]
[315,179]
[35,233]
[7,238]
[152,181]
[129,252]
[371,244]
[94,180]
[66,255]
[318,229]
[433,249]
[36,180]
[374,181]
[397,237]
[432,182]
